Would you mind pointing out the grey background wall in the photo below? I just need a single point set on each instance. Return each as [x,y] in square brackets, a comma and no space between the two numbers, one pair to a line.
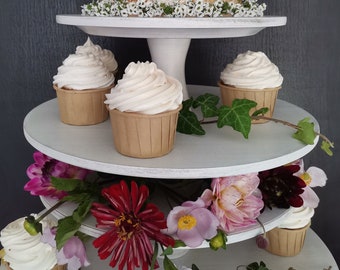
[32,46]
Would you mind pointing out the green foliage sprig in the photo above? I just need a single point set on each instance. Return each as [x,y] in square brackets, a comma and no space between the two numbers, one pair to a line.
[238,117]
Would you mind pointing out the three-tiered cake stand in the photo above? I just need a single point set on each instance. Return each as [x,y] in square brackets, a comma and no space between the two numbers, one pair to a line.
[222,152]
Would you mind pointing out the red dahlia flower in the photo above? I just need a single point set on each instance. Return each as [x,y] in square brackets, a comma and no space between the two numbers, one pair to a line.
[132,224]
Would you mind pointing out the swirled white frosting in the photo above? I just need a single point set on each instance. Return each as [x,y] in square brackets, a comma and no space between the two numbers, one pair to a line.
[23,251]
[106,56]
[299,218]
[145,89]
[83,71]
[252,70]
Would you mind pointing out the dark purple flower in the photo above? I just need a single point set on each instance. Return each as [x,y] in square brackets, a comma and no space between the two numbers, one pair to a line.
[281,188]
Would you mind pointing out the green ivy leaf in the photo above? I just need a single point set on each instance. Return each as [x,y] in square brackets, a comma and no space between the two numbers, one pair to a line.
[305,133]
[208,104]
[188,122]
[257,266]
[261,111]
[168,264]
[67,227]
[194,267]
[237,116]
[326,146]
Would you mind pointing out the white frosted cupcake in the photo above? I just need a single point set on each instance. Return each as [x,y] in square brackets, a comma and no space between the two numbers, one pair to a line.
[106,56]
[288,238]
[251,76]
[144,108]
[81,84]
[24,251]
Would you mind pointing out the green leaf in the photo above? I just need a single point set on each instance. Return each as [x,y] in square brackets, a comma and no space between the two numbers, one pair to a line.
[179,243]
[66,184]
[261,111]
[326,146]
[208,104]
[257,266]
[189,124]
[194,267]
[67,227]
[237,116]
[82,210]
[168,264]
[305,133]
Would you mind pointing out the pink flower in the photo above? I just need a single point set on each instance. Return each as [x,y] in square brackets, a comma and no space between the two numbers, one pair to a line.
[236,201]
[192,222]
[73,253]
[313,177]
[41,171]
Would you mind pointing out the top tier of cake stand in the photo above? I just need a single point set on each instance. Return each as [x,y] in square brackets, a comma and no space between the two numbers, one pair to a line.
[136,27]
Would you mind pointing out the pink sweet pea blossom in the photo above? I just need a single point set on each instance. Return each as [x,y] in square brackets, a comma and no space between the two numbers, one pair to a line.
[236,201]
[73,253]
[192,223]
[313,177]
[41,171]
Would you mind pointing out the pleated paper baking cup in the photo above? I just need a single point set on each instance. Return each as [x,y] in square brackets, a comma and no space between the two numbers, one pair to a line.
[286,242]
[263,97]
[144,136]
[82,107]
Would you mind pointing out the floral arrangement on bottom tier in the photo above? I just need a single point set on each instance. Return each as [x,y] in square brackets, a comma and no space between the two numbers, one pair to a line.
[136,228]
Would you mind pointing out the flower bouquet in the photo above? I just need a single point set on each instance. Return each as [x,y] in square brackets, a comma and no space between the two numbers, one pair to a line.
[137,233]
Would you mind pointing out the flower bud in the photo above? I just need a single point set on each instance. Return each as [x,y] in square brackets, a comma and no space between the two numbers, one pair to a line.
[218,241]
[31,226]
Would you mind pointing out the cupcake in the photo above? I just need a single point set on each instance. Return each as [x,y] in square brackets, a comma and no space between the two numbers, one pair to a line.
[106,56]
[24,251]
[288,238]
[251,76]
[144,108]
[81,84]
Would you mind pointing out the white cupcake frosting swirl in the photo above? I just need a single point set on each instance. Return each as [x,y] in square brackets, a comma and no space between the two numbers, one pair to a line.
[83,71]
[106,56]
[23,251]
[299,218]
[252,70]
[145,89]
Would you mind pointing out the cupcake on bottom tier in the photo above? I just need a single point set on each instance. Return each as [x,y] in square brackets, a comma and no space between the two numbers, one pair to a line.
[144,107]
[251,76]
[288,238]
[24,251]
[81,84]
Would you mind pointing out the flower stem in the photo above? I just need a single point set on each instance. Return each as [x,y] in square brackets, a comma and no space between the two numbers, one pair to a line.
[291,125]
[49,211]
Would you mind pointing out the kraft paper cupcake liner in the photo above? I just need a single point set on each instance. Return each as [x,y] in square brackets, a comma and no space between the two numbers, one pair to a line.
[263,97]
[144,136]
[82,107]
[286,242]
